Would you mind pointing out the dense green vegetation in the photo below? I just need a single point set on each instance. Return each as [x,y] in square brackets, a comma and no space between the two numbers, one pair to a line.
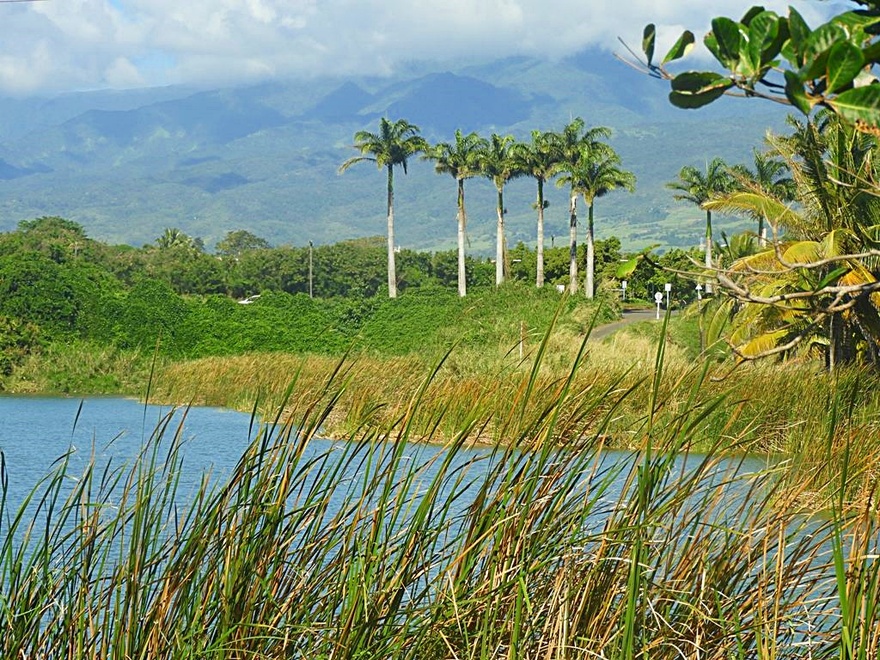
[61,289]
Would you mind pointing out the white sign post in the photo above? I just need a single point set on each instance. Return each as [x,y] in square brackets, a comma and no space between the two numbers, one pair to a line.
[623,288]
[699,289]
[668,288]
[658,298]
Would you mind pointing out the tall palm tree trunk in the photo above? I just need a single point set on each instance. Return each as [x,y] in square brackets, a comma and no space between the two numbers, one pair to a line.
[462,221]
[589,285]
[539,278]
[709,250]
[572,244]
[392,271]
[499,241]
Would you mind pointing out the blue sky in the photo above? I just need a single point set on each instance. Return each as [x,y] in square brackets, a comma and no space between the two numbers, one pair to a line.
[67,45]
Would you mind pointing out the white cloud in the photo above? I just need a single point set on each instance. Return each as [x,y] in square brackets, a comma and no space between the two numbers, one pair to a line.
[76,44]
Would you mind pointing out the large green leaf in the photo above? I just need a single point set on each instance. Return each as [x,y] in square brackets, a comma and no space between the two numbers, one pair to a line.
[750,14]
[694,89]
[817,46]
[727,40]
[845,61]
[856,22]
[861,104]
[799,31]
[681,47]
[763,32]
[698,82]
[795,93]
[649,37]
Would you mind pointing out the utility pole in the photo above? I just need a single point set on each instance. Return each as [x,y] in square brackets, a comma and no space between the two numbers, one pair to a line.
[310,270]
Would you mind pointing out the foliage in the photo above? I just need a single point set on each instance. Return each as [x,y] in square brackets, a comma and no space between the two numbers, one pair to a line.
[810,291]
[239,241]
[17,340]
[781,58]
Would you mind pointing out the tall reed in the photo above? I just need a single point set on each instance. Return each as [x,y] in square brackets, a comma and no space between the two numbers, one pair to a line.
[379,546]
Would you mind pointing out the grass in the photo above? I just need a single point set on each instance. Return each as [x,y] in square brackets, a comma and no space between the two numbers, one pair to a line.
[378,546]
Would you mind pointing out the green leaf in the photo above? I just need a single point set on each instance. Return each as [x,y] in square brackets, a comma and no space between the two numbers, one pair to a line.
[799,31]
[649,36]
[694,89]
[750,14]
[763,32]
[845,62]
[859,104]
[831,277]
[794,92]
[691,101]
[855,22]
[697,82]
[727,39]
[817,46]
[681,47]
[627,268]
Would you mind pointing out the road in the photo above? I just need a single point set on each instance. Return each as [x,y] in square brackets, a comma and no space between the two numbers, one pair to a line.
[629,316]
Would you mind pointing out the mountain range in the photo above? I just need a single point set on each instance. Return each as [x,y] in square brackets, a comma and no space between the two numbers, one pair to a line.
[127,164]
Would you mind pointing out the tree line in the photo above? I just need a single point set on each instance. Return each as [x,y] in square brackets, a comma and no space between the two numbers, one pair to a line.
[578,157]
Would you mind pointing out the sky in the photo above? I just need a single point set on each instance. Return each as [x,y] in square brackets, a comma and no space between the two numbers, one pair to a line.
[68,45]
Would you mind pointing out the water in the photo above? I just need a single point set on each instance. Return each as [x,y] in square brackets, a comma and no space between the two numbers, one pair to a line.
[36,431]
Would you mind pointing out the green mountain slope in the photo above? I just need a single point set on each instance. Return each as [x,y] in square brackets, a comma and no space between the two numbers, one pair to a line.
[264,158]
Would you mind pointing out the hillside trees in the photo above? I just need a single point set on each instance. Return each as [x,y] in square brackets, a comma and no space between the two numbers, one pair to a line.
[394,144]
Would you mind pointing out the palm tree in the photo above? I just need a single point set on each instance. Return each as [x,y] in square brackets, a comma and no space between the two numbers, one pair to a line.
[595,175]
[173,237]
[817,286]
[391,146]
[461,159]
[497,163]
[571,144]
[538,160]
[698,188]
[769,176]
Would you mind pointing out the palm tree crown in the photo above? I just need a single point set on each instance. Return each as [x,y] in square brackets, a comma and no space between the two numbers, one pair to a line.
[769,177]
[392,146]
[699,188]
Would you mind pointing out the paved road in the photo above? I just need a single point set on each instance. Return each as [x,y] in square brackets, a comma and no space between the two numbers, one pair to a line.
[629,316]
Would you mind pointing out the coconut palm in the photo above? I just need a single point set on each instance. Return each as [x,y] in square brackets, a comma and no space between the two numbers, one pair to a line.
[817,286]
[698,188]
[173,237]
[393,145]
[594,175]
[538,159]
[571,144]
[768,176]
[498,165]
